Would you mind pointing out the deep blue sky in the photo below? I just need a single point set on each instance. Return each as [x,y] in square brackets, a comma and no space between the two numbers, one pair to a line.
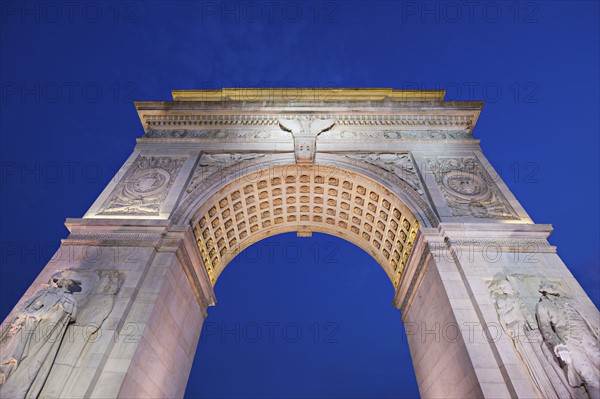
[69,75]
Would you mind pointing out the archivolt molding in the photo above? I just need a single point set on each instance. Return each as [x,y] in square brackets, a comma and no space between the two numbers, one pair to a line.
[251,166]
[305,198]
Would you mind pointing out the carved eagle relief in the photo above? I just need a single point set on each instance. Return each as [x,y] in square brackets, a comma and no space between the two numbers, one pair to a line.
[305,130]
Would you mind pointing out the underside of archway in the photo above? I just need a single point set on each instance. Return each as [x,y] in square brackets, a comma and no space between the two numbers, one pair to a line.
[305,198]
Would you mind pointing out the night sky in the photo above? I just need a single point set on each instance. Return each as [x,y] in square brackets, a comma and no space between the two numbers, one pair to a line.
[296,317]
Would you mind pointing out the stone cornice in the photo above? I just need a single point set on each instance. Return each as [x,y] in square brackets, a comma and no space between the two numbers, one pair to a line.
[86,225]
[479,231]
[113,239]
[464,120]
[115,232]
[307,94]
[413,109]
[518,237]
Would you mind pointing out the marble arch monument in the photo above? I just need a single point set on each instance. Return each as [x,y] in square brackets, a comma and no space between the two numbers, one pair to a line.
[489,308]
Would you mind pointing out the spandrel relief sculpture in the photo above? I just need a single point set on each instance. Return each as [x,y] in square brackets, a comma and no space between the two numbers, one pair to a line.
[211,164]
[572,338]
[520,325]
[400,165]
[43,328]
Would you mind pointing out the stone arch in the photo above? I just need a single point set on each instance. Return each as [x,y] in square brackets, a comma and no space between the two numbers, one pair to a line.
[168,202]
[304,198]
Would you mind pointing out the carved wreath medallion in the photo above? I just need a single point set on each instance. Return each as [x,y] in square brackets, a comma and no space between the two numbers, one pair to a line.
[144,187]
[469,190]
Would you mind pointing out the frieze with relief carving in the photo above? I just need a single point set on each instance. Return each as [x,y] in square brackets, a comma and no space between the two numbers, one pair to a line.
[387,134]
[219,134]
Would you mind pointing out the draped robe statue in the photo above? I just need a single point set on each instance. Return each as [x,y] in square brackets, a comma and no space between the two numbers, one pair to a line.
[520,324]
[571,337]
[31,342]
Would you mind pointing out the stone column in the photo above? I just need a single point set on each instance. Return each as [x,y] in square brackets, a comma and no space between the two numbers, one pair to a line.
[471,294]
[467,336]
[140,302]
[155,355]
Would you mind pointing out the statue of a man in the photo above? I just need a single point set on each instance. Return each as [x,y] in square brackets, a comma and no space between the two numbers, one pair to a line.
[29,345]
[571,338]
[522,327]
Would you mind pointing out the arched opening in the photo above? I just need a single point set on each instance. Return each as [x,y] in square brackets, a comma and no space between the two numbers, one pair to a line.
[258,207]
[303,317]
[305,199]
